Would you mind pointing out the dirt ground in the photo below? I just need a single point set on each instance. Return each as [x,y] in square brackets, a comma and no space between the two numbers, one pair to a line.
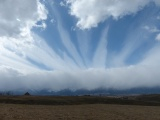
[78,112]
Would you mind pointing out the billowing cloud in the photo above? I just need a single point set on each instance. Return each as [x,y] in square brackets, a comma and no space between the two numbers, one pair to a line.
[19,16]
[91,12]
[128,77]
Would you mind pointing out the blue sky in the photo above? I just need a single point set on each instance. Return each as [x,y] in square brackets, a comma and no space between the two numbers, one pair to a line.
[79,44]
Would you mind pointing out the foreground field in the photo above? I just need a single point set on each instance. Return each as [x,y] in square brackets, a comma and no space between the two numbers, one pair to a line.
[78,112]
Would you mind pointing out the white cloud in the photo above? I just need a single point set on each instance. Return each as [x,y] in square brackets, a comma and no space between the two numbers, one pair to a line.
[62,4]
[151,29]
[158,37]
[19,16]
[17,41]
[18,53]
[70,47]
[144,74]
[24,50]
[116,78]
[100,55]
[52,21]
[91,12]
[152,58]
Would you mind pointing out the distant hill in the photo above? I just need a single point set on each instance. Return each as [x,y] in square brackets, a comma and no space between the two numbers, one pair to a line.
[96,92]
[100,91]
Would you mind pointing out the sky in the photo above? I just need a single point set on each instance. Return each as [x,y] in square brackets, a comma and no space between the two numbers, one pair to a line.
[79,44]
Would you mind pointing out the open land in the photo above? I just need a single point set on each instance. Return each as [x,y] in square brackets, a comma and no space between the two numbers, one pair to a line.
[78,112]
[79,108]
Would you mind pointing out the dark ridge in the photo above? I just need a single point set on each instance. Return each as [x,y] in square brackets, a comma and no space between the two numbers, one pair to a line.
[146,100]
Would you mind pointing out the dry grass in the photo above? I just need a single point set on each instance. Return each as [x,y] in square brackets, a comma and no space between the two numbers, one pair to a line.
[78,112]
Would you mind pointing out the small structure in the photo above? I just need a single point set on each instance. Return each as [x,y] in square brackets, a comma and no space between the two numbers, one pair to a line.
[27,94]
